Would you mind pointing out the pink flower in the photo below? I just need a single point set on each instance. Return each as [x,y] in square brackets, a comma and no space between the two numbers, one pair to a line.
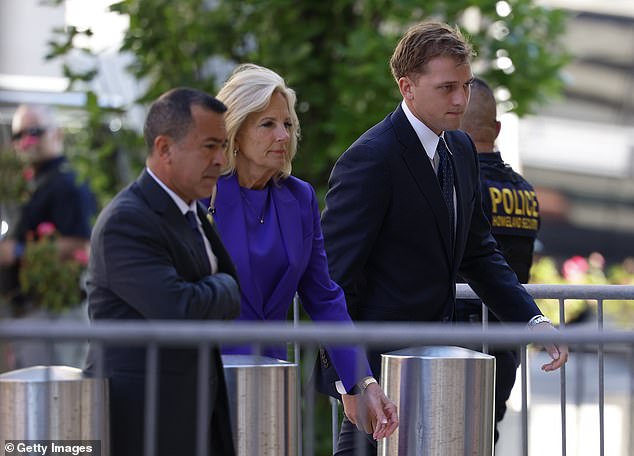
[28,174]
[81,256]
[575,268]
[45,229]
[596,260]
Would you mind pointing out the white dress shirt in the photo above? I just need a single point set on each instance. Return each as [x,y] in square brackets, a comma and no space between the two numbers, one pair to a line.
[429,141]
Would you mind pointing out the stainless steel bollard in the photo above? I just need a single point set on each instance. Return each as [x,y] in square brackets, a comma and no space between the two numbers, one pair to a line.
[445,398]
[262,395]
[54,403]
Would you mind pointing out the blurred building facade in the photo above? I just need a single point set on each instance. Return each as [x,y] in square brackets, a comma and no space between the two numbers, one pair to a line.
[26,76]
[579,150]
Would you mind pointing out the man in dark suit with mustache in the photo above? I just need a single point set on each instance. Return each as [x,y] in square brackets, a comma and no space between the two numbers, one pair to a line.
[155,256]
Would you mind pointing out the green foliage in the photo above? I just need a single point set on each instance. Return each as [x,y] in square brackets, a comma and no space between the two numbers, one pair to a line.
[107,160]
[334,54]
[13,179]
[529,36]
[66,45]
[589,271]
[52,283]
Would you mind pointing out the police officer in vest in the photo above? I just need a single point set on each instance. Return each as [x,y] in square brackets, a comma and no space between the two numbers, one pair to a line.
[510,204]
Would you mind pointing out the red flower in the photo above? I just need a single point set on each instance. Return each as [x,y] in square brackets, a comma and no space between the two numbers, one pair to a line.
[575,268]
[81,256]
[45,229]
[28,174]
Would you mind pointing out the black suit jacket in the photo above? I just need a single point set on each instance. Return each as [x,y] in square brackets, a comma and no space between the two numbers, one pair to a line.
[386,231]
[144,265]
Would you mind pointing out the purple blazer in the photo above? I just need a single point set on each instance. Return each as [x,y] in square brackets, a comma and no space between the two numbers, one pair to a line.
[307,273]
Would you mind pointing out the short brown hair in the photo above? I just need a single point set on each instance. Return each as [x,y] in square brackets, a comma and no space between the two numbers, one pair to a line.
[425,41]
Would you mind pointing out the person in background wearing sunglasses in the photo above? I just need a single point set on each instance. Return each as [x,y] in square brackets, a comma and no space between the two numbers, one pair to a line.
[56,201]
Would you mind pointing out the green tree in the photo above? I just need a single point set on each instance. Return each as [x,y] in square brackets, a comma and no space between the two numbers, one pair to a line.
[107,159]
[333,53]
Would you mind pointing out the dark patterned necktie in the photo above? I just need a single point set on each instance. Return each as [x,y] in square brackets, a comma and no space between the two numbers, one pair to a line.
[200,243]
[445,178]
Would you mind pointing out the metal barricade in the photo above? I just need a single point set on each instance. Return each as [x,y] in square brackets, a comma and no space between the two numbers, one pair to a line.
[445,400]
[591,342]
[262,395]
[54,403]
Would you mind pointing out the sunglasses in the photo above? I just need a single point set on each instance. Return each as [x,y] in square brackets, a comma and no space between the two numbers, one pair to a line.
[35,132]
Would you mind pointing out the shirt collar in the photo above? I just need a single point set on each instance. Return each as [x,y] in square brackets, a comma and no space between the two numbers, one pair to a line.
[180,203]
[44,167]
[427,138]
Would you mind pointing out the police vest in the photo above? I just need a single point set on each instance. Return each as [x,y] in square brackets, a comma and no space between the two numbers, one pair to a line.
[508,200]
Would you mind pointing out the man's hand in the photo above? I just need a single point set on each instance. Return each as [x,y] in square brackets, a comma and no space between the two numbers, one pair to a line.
[371,411]
[558,353]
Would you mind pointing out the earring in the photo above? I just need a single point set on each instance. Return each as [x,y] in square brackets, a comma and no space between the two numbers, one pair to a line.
[235,152]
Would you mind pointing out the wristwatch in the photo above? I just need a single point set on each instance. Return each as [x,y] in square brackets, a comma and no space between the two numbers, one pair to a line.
[364,383]
[537,319]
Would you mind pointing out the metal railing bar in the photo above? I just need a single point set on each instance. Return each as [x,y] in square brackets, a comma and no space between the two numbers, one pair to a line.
[297,360]
[360,438]
[309,406]
[151,396]
[601,381]
[485,325]
[202,411]
[562,384]
[562,291]
[370,334]
[631,402]
[296,352]
[524,371]
[334,418]
[309,335]
[580,356]
[101,403]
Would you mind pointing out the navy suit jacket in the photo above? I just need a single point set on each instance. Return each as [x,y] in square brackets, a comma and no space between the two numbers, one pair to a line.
[386,231]
[145,265]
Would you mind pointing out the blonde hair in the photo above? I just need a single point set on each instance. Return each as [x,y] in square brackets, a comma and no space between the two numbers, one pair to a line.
[425,41]
[249,89]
